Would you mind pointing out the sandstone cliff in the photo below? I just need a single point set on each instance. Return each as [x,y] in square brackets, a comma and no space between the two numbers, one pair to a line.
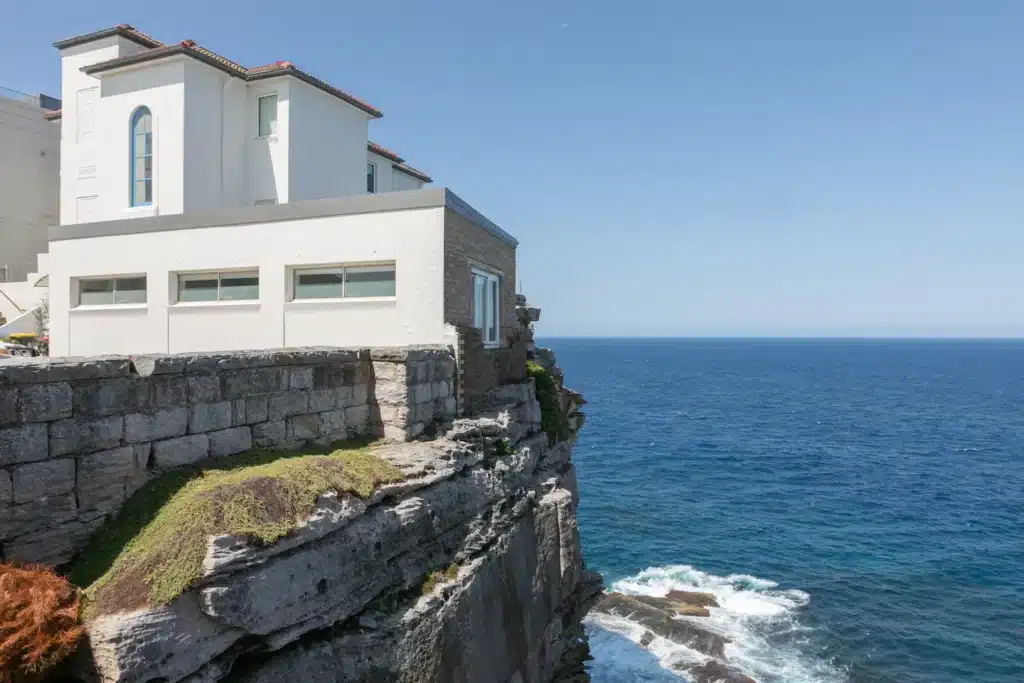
[468,570]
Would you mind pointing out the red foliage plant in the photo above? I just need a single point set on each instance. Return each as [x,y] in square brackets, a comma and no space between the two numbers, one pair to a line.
[38,622]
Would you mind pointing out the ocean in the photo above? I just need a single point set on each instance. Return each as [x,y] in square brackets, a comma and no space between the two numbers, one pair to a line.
[857,507]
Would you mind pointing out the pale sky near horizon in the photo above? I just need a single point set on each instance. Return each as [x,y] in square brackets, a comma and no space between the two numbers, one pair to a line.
[723,168]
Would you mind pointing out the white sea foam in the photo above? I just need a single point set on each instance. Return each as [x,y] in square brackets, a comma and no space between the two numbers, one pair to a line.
[762,622]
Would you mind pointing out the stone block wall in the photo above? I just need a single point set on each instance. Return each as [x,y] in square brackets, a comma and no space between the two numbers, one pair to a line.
[468,246]
[77,436]
[481,369]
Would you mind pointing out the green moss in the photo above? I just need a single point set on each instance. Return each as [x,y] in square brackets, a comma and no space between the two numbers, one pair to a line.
[553,421]
[503,447]
[435,579]
[154,549]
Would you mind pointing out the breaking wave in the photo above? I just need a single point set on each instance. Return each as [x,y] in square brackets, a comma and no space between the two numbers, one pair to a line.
[769,643]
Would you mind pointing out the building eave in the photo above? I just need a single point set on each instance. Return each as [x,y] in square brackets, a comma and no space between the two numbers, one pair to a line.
[415,173]
[317,208]
[188,48]
[124,31]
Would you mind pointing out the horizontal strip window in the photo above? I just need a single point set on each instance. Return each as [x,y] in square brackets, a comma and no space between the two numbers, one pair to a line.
[228,286]
[345,282]
[112,291]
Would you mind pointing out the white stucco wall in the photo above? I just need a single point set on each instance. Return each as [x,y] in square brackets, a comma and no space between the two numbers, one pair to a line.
[403,181]
[80,147]
[161,88]
[413,239]
[327,139]
[389,179]
[267,158]
[29,185]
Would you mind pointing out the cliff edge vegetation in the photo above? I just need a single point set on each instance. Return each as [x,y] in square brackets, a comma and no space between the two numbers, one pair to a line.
[154,549]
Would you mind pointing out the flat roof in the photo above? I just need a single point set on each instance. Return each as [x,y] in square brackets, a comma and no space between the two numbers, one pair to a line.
[439,197]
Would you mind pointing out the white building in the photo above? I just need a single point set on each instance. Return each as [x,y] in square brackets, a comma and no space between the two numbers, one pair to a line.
[29,191]
[207,206]
[203,133]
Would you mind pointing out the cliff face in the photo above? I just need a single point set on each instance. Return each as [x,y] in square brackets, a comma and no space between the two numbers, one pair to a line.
[468,570]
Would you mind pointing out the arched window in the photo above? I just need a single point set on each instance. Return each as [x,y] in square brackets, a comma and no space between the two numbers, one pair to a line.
[142,158]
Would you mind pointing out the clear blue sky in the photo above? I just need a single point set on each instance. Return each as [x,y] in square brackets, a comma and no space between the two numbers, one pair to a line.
[726,167]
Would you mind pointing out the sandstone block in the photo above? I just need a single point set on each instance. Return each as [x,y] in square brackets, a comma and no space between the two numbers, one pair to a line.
[184,450]
[114,396]
[332,425]
[45,402]
[287,404]
[47,478]
[9,406]
[421,393]
[304,427]
[26,443]
[208,417]
[42,513]
[102,476]
[300,378]
[163,424]
[169,391]
[357,420]
[204,388]
[77,435]
[389,371]
[322,399]
[249,382]
[6,489]
[230,441]
[440,390]
[343,396]
[269,434]
[56,545]
[397,416]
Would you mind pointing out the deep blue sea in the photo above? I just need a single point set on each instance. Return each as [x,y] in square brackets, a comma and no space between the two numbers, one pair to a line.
[856,506]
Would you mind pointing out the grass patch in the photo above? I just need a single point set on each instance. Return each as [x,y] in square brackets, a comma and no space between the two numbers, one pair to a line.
[154,549]
[552,420]
[435,579]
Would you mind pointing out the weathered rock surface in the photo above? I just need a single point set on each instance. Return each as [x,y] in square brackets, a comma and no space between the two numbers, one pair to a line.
[664,624]
[668,618]
[340,600]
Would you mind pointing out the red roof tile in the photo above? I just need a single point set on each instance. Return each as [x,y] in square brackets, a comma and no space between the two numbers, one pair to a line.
[158,50]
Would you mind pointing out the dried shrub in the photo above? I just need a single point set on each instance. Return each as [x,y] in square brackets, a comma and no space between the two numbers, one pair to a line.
[39,623]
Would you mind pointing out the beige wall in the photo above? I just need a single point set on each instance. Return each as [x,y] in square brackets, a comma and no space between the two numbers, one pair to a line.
[468,245]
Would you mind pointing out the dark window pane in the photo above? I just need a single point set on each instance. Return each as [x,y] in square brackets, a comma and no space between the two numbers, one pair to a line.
[369,281]
[197,290]
[95,292]
[130,290]
[318,285]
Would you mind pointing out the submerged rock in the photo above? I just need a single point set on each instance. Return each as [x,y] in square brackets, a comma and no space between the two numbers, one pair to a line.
[717,672]
[692,598]
[663,623]
[679,608]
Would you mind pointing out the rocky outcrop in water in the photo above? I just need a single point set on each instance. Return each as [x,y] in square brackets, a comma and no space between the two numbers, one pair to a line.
[467,571]
[672,618]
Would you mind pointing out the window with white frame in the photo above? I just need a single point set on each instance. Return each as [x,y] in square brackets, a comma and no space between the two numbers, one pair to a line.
[227,286]
[112,291]
[267,112]
[371,177]
[345,282]
[486,305]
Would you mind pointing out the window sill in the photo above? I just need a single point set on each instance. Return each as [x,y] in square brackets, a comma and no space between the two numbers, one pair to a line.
[299,303]
[109,307]
[248,303]
[268,138]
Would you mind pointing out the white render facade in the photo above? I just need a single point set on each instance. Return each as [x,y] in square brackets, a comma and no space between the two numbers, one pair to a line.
[380,270]
[210,207]
[29,180]
[149,129]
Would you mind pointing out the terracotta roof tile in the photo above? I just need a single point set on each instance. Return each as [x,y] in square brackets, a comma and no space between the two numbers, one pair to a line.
[381,151]
[189,47]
